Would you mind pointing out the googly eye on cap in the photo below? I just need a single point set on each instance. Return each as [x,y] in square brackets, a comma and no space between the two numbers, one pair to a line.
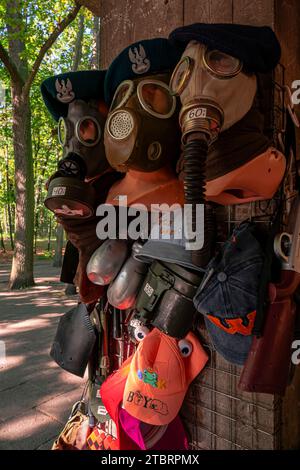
[141,332]
[137,330]
[185,347]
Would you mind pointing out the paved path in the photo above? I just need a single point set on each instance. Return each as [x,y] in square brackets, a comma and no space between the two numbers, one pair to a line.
[36,396]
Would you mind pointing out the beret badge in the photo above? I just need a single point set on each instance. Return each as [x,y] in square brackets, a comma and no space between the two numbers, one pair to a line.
[65,93]
[140,63]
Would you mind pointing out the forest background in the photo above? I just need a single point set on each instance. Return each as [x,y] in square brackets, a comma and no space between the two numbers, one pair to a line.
[38,39]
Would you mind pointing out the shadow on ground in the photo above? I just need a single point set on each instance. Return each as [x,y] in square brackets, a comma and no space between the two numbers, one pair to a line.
[35,394]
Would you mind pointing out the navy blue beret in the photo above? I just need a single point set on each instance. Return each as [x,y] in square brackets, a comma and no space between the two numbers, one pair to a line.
[145,57]
[256,46]
[58,91]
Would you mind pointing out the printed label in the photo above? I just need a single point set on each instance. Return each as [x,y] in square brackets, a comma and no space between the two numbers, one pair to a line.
[102,410]
[197,113]
[148,289]
[59,191]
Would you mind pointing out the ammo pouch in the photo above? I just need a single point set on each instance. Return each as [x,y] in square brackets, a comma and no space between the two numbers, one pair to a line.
[166,298]
[74,340]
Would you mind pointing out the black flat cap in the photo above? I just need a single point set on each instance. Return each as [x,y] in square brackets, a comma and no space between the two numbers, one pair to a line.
[256,46]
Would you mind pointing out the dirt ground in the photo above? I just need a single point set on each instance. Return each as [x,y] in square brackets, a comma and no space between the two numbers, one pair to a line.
[36,396]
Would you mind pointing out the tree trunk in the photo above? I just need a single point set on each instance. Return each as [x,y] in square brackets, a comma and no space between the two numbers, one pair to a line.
[2,246]
[78,44]
[22,267]
[39,185]
[95,61]
[57,262]
[49,233]
[8,201]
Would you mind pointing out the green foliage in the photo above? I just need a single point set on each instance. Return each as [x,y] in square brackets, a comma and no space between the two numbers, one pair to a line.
[46,255]
[39,18]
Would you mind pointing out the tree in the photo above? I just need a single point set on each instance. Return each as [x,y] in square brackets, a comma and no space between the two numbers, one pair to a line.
[57,261]
[78,44]
[21,78]
[95,59]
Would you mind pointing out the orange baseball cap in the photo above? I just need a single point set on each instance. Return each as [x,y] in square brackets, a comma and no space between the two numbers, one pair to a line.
[160,373]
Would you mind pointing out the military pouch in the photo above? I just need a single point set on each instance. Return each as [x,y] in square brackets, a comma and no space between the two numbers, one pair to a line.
[166,298]
[74,340]
[99,364]
[95,401]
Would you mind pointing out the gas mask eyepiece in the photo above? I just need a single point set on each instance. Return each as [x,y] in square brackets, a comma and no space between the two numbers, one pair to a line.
[87,131]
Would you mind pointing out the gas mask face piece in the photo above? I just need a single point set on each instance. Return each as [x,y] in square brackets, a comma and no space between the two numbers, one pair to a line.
[214,91]
[81,136]
[142,125]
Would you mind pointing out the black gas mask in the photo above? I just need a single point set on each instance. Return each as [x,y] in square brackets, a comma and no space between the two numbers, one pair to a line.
[81,136]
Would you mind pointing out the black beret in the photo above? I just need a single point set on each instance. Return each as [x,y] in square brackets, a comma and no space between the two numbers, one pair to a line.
[145,57]
[256,46]
[58,91]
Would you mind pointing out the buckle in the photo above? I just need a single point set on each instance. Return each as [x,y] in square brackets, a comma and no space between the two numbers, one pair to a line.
[104,363]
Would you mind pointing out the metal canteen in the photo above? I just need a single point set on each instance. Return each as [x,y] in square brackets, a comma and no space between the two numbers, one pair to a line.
[106,261]
[123,291]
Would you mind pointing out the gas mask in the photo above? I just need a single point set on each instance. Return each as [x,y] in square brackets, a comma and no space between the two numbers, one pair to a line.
[215,93]
[141,128]
[81,136]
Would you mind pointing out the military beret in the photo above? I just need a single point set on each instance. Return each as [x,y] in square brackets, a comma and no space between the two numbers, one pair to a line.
[58,91]
[256,46]
[145,57]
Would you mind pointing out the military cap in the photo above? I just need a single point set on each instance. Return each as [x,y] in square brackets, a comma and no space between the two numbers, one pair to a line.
[256,46]
[58,91]
[145,57]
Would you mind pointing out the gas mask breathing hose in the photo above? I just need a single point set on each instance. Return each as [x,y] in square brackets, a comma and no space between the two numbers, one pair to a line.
[194,157]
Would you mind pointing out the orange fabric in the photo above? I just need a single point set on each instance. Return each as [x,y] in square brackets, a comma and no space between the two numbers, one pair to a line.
[112,391]
[235,325]
[159,377]
[256,180]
